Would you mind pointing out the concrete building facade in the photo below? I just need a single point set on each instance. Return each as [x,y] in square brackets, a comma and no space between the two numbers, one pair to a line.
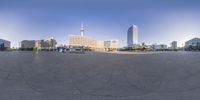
[78,40]
[48,44]
[40,44]
[111,45]
[4,44]
[92,43]
[28,44]
[81,41]
[193,44]
[174,45]
[100,46]
[161,47]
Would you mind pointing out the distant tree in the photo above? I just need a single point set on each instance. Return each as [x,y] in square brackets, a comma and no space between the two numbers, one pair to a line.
[135,46]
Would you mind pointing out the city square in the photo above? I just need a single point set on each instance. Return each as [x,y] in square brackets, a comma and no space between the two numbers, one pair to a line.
[99,76]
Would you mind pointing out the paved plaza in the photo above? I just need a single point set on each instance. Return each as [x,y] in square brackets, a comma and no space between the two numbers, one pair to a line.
[99,76]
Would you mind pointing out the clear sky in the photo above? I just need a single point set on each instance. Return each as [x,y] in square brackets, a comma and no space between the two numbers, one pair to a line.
[159,21]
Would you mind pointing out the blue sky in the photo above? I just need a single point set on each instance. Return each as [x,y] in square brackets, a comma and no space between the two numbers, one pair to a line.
[158,21]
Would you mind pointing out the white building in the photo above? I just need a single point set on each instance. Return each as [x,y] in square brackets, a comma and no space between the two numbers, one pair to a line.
[174,45]
[28,44]
[4,44]
[159,47]
[132,35]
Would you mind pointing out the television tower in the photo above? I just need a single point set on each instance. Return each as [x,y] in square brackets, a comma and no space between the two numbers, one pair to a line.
[82,29]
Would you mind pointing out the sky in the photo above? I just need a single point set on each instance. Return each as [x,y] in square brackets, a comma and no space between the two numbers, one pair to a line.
[159,21]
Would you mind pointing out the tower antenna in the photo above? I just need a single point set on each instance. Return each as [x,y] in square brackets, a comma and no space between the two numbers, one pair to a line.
[82,29]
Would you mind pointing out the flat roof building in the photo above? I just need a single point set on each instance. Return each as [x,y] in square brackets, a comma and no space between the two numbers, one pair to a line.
[159,47]
[49,43]
[193,44]
[78,40]
[91,43]
[132,35]
[174,45]
[111,45]
[4,44]
[28,44]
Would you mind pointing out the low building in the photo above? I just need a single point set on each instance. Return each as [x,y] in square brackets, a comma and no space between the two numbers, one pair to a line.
[40,44]
[78,40]
[89,43]
[100,46]
[161,47]
[111,45]
[193,44]
[4,44]
[49,44]
[28,44]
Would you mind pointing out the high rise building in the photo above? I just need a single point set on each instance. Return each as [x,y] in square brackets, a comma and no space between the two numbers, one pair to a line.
[132,35]
[174,45]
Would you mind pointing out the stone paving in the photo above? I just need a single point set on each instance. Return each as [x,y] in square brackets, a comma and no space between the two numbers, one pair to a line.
[99,76]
